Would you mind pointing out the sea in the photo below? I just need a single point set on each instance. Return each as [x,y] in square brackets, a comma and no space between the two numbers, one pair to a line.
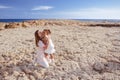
[87,20]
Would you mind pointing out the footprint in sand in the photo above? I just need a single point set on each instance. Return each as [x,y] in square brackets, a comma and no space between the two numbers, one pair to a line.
[116,42]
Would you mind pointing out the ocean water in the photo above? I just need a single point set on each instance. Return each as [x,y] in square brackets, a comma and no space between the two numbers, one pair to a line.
[95,20]
[15,20]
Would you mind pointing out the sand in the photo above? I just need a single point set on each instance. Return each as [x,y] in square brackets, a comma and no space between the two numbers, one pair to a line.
[82,53]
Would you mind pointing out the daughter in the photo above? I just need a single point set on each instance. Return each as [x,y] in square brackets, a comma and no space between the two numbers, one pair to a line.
[49,49]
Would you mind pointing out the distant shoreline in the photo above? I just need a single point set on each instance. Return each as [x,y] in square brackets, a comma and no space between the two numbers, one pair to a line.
[57,22]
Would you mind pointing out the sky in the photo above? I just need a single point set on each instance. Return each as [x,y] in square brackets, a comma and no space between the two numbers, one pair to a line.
[60,9]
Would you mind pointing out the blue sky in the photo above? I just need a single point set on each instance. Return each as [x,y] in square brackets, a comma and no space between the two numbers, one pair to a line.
[60,9]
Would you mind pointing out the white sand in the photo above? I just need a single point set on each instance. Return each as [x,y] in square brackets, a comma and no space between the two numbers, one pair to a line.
[82,53]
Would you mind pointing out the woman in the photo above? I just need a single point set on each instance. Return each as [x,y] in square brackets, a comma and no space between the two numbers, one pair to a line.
[40,52]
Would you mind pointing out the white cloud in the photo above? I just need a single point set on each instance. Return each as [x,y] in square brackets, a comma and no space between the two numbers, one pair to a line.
[42,8]
[39,13]
[3,7]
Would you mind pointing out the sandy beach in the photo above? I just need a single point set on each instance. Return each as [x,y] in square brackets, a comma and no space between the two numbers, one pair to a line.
[82,52]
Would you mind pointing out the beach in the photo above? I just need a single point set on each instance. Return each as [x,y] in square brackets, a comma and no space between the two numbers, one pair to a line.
[84,50]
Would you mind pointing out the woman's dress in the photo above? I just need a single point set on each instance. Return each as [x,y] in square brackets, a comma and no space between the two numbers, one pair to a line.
[40,55]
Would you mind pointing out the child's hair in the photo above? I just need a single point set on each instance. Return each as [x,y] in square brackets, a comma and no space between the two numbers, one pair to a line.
[47,31]
[37,38]
[44,36]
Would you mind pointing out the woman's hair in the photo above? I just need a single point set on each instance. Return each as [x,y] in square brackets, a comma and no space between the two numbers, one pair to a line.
[37,38]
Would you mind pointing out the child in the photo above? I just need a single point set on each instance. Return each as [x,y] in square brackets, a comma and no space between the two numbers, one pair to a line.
[49,49]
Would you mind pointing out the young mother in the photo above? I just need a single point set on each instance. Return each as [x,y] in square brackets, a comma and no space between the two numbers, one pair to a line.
[41,60]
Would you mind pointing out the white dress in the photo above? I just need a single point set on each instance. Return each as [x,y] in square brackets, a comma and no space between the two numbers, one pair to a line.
[50,49]
[40,55]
